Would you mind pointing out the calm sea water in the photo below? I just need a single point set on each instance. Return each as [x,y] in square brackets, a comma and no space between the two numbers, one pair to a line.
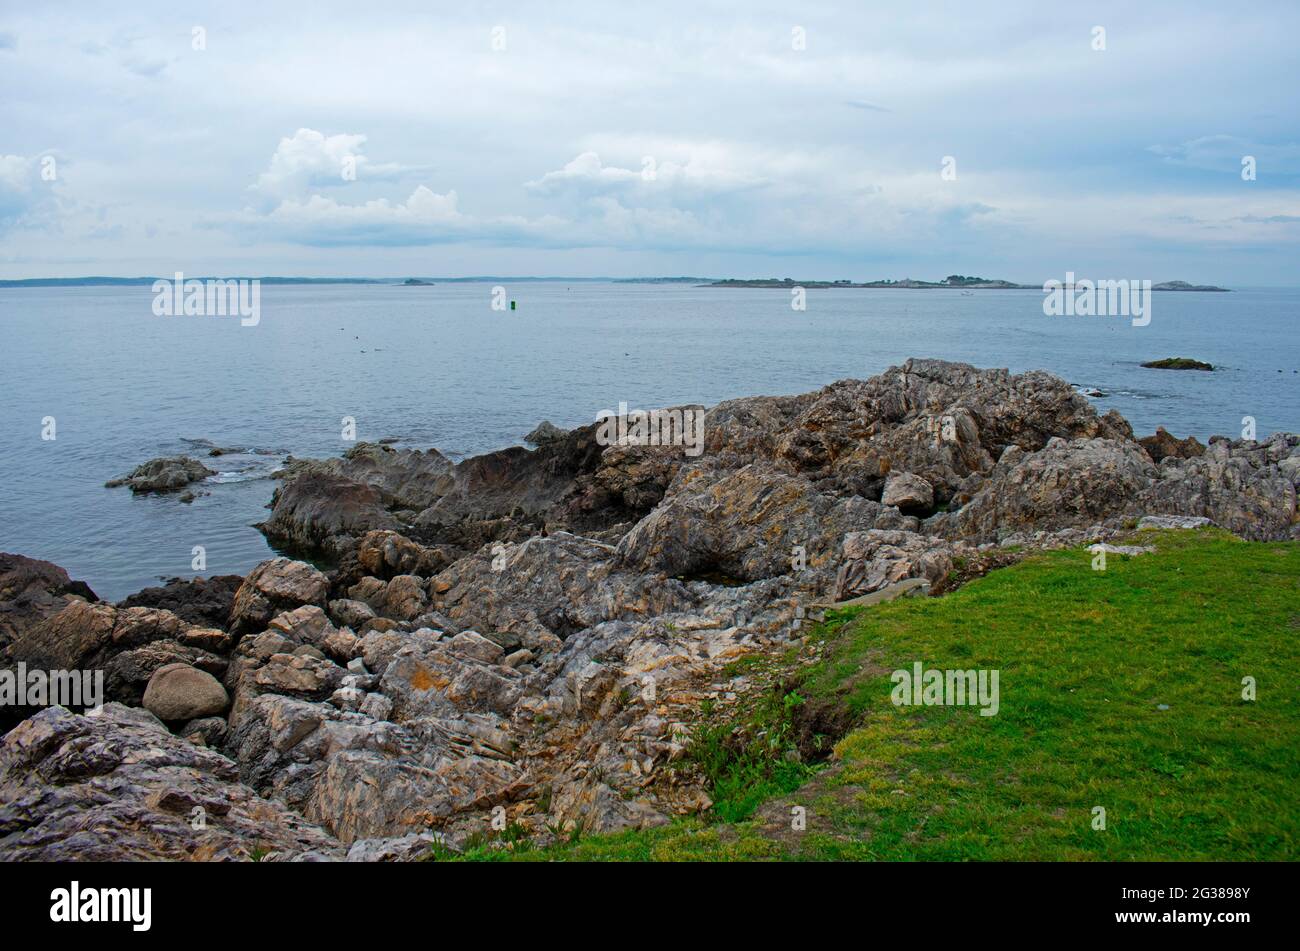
[436,366]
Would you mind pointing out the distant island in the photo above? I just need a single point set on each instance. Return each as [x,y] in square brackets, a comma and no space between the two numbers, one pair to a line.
[958,281]
[950,282]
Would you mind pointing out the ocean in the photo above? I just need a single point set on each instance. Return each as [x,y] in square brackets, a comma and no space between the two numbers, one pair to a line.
[438,366]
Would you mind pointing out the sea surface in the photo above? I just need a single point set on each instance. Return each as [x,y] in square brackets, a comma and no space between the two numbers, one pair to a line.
[437,366]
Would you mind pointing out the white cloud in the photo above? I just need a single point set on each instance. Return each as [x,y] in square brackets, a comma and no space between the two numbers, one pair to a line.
[310,159]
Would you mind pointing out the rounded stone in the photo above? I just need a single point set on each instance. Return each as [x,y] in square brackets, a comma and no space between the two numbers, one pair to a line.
[182,692]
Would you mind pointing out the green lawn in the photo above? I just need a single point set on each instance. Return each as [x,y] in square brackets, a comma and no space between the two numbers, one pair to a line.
[1119,688]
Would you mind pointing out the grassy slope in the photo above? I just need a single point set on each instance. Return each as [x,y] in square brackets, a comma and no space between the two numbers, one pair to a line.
[1086,658]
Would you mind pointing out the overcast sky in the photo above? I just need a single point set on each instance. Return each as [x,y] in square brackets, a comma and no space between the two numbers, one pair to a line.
[603,138]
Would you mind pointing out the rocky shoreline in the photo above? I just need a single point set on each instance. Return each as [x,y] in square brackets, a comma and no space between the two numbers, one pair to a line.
[526,636]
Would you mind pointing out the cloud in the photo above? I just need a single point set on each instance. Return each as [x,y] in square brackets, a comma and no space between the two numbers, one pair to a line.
[586,171]
[25,194]
[866,106]
[424,218]
[665,166]
[1224,153]
[310,159]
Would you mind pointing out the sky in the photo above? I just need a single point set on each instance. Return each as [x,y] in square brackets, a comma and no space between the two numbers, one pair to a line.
[807,140]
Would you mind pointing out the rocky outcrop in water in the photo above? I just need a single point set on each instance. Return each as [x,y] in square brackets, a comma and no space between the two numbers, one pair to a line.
[162,475]
[529,635]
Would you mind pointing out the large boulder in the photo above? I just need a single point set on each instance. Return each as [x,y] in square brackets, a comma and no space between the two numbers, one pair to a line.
[875,559]
[181,692]
[908,493]
[274,586]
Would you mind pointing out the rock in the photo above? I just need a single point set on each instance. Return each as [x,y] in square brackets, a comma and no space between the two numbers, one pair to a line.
[518,658]
[324,505]
[1177,363]
[202,601]
[1162,445]
[180,692]
[1172,521]
[275,586]
[163,475]
[1068,483]
[307,624]
[350,613]
[1128,551]
[1238,485]
[384,554]
[473,645]
[404,598]
[206,731]
[377,705]
[31,591]
[745,525]
[324,512]
[908,493]
[299,676]
[118,787]
[545,432]
[876,559]
[546,588]
[406,848]
[614,586]
[909,588]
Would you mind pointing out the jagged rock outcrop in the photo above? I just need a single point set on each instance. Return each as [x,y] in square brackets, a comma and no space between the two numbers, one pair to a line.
[32,590]
[1247,487]
[546,431]
[533,632]
[1067,483]
[544,589]
[127,644]
[202,601]
[119,787]
[1162,444]
[274,586]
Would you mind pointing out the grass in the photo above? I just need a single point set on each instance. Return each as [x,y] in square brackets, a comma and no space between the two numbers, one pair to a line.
[1120,689]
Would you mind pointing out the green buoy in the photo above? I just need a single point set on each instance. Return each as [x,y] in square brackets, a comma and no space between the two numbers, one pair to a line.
[512,305]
